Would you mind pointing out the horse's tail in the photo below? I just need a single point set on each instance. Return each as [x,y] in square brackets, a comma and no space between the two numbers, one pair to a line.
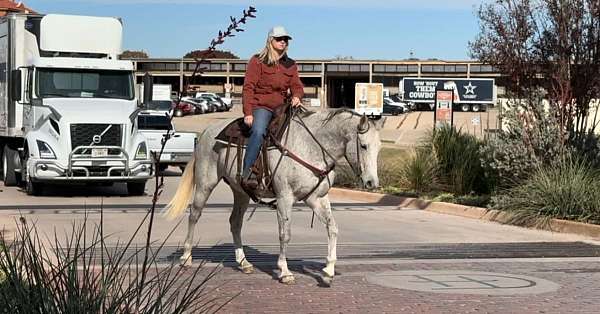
[182,196]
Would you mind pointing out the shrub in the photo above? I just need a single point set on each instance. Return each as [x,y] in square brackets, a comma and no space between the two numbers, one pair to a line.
[564,189]
[388,170]
[80,275]
[468,200]
[531,138]
[418,171]
[458,159]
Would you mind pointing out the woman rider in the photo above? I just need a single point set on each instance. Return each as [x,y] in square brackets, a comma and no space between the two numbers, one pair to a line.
[269,76]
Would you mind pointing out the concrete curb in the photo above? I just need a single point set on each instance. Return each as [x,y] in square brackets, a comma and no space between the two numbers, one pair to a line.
[554,225]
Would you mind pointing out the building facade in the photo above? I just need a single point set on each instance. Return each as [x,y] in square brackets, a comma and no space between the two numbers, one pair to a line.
[327,83]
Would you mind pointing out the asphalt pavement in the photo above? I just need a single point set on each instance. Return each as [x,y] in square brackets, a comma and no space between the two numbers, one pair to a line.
[390,259]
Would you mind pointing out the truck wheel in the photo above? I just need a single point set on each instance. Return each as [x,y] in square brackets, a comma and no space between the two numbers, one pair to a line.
[34,188]
[9,176]
[179,113]
[31,187]
[465,107]
[136,188]
[476,108]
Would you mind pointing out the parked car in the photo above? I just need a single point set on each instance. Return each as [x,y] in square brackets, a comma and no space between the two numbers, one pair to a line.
[391,109]
[227,101]
[219,104]
[398,99]
[201,106]
[178,149]
[402,104]
[183,109]
[213,105]
[394,108]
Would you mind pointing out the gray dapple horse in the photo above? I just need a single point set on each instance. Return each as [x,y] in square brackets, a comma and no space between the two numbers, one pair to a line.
[342,133]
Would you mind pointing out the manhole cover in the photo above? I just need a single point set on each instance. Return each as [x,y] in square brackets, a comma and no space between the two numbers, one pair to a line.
[463,282]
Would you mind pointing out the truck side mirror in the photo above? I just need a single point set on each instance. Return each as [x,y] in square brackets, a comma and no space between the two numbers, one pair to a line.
[148,89]
[15,85]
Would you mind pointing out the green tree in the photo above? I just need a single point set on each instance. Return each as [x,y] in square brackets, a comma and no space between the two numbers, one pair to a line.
[133,54]
[215,54]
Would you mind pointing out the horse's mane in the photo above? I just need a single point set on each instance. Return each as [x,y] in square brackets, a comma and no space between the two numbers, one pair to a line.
[303,112]
[335,112]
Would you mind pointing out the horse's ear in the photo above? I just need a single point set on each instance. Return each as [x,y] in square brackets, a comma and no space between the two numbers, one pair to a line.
[380,123]
[363,125]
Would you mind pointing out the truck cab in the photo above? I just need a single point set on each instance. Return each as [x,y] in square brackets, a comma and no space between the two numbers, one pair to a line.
[68,106]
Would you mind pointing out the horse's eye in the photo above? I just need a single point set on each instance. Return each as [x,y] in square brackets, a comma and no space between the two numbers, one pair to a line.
[363,146]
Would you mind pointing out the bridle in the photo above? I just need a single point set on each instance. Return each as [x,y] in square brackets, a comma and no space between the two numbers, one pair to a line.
[358,172]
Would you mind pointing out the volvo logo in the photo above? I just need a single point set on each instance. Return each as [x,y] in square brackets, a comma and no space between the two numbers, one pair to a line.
[97,139]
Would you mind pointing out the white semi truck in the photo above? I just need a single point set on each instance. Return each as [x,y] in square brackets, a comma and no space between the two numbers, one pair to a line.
[67,104]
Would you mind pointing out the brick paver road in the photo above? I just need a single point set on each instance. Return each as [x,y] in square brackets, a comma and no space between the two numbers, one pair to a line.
[578,292]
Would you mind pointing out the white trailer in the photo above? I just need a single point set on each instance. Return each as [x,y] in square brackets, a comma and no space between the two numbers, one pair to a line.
[67,104]
[159,92]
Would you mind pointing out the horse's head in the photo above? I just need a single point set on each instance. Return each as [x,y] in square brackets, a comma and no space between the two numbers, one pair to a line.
[362,151]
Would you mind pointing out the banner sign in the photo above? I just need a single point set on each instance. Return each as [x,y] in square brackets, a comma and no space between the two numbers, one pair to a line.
[443,108]
[465,90]
[368,99]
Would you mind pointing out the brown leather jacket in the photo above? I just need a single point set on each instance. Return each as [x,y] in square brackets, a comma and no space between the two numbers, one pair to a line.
[266,86]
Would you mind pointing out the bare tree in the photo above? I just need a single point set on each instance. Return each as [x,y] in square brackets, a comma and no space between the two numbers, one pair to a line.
[552,46]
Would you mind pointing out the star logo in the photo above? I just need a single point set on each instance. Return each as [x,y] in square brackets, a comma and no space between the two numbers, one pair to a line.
[470,89]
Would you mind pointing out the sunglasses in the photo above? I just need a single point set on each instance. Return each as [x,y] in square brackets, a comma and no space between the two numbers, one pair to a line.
[281,39]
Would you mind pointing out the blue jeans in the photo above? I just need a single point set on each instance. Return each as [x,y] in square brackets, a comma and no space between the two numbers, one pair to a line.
[261,119]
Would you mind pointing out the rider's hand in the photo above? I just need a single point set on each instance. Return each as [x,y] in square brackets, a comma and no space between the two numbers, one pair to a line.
[296,101]
[248,120]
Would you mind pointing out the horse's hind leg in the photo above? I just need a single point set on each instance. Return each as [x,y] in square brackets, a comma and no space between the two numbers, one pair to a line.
[205,183]
[240,204]
[322,209]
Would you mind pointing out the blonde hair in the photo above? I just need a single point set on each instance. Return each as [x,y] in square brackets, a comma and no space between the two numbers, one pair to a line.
[269,55]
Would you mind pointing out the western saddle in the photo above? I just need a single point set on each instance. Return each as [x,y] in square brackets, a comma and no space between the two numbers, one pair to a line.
[236,134]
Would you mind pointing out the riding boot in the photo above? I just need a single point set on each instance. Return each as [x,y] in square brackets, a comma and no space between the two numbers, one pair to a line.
[249,181]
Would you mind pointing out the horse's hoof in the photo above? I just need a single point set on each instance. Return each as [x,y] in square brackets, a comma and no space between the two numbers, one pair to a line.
[185,262]
[248,270]
[327,281]
[288,280]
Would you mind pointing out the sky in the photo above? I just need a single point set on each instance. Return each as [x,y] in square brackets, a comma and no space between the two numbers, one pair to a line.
[321,29]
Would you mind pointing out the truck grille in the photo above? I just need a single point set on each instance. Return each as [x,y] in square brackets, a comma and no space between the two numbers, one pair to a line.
[83,135]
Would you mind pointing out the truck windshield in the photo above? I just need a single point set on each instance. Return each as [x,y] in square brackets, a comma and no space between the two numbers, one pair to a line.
[76,83]
[152,122]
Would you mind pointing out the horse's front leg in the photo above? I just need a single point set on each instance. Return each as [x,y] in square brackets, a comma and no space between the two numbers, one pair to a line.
[284,218]
[322,209]
[240,204]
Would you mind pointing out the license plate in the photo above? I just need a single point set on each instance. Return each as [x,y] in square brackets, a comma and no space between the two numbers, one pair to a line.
[99,152]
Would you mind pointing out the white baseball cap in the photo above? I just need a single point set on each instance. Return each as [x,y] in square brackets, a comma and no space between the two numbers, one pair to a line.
[279,31]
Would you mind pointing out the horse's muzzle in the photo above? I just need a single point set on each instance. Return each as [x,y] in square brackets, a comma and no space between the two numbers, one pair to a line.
[370,184]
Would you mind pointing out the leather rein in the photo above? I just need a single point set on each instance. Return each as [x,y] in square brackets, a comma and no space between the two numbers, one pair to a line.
[320,173]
